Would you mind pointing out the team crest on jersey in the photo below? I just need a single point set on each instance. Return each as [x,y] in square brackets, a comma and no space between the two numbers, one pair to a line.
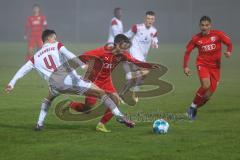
[213,39]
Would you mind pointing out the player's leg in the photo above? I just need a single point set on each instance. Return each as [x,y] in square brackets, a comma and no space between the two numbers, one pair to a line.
[109,103]
[44,109]
[204,76]
[214,80]
[83,107]
[107,115]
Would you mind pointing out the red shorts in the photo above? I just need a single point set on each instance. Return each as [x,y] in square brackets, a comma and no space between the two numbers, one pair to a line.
[106,86]
[212,73]
[35,41]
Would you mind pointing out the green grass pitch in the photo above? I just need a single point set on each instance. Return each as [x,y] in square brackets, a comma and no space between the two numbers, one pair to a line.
[214,135]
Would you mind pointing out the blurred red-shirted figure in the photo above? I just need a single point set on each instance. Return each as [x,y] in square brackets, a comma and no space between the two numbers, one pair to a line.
[209,44]
[34,27]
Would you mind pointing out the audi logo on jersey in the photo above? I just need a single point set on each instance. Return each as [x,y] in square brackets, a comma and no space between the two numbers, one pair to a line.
[209,47]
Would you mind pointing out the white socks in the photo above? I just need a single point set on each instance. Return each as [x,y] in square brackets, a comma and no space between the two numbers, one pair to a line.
[43,112]
[108,102]
[193,105]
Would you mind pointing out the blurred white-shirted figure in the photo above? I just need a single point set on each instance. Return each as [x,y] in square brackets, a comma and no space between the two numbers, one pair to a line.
[143,37]
[116,26]
[52,63]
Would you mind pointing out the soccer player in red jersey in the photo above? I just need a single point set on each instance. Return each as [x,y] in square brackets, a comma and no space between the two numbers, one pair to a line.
[209,44]
[35,24]
[101,75]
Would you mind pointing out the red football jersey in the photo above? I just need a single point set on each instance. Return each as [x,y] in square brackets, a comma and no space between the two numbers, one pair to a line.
[35,25]
[106,62]
[209,48]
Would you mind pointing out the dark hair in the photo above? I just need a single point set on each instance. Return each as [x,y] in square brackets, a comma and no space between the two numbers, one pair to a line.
[205,18]
[116,10]
[121,38]
[35,5]
[151,13]
[46,34]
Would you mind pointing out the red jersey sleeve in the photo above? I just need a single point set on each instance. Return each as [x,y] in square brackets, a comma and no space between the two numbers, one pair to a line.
[92,58]
[190,46]
[226,40]
[27,27]
[134,28]
[59,45]
[114,22]
[129,58]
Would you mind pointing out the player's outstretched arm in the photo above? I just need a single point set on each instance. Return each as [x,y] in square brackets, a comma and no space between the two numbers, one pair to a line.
[71,56]
[141,64]
[154,43]
[227,41]
[20,73]
[131,32]
[189,48]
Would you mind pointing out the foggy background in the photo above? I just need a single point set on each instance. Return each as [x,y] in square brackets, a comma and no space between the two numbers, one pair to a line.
[88,20]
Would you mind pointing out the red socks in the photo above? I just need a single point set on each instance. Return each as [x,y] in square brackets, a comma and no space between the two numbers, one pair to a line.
[107,116]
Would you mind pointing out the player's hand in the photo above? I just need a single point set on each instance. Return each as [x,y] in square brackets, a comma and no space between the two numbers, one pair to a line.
[8,89]
[227,54]
[154,45]
[187,71]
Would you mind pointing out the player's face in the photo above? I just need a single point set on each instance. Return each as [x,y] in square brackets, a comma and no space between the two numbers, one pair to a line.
[36,10]
[205,26]
[149,20]
[52,38]
[119,14]
[121,48]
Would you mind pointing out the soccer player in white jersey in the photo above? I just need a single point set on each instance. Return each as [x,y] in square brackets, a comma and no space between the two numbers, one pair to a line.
[116,26]
[144,37]
[51,58]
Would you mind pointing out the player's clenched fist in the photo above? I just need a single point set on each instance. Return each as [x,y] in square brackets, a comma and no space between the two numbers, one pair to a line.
[187,71]
[8,89]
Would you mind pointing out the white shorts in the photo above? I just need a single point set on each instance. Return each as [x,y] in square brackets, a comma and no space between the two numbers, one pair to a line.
[71,84]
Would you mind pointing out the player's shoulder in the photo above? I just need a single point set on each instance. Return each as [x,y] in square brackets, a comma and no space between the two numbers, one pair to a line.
[217,32]
[115,21]
[196,36]
[153,28]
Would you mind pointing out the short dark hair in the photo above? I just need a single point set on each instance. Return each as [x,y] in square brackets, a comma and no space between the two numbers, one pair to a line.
[205,18]
[36,5]
[46,34]
[116,10]
[151,13]
[121,38]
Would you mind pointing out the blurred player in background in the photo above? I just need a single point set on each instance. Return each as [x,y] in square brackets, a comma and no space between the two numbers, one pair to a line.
[102,78]
[209,44]
[116,26]
[53,60]
[143,37]
[35,24]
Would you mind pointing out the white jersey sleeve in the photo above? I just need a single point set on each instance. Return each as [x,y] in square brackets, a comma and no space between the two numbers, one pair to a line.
[131,32]
[155,38]
[71,56]
[21,72]
[116,27]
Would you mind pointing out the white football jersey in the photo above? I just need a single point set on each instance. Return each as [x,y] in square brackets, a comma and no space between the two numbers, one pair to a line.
[47,61]
[142,38]
[116,27]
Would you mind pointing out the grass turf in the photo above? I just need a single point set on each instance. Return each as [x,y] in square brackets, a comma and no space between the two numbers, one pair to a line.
[214,135]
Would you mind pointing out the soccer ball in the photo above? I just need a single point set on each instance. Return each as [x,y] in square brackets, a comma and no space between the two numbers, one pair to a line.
[160,126]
